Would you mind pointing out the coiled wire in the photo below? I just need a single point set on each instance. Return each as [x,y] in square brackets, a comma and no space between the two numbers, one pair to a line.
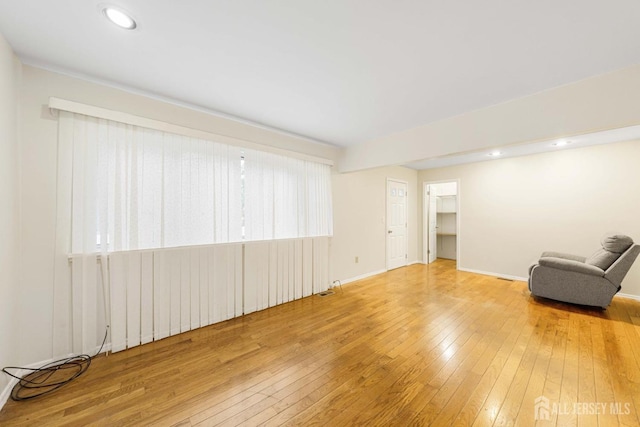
[50,377]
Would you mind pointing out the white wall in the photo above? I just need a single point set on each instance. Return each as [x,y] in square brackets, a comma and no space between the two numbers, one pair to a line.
[513,209]
[359,206]
[603,102]
[9,245]
[38,181]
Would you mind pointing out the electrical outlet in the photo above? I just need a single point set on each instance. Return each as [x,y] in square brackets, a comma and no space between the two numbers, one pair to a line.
[357,260]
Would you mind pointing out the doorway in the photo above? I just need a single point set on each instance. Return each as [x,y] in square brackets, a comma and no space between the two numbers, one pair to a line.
[440,221]
[396,223]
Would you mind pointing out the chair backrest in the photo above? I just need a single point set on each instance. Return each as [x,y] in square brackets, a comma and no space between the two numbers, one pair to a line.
[613,246]
[619,269]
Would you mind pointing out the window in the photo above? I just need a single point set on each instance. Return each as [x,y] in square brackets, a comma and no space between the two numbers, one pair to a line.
[143,188]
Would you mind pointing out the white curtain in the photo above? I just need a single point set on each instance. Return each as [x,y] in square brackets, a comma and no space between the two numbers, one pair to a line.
[285,197]
[137,188]
[125,192]
[123,188]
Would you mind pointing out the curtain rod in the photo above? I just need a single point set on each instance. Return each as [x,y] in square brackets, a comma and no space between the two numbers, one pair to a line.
[131,119]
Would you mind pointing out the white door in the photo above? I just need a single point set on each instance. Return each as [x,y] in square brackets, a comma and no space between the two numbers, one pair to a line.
[432,223]
[396,224]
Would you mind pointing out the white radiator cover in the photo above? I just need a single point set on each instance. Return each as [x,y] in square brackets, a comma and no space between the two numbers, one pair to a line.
[153,294]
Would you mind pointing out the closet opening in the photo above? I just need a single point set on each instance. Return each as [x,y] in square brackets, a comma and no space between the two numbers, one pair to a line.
[440,221]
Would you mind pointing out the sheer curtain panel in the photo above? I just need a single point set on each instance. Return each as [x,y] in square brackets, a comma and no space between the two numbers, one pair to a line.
[137,188]
[285,198]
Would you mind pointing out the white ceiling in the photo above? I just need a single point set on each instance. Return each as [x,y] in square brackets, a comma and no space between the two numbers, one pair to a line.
[336,71]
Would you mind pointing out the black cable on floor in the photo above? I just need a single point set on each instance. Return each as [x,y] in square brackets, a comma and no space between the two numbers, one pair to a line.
[50,377]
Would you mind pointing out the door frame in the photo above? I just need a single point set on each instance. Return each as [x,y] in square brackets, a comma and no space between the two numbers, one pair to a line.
[426,209]
[425,219]
[386,216]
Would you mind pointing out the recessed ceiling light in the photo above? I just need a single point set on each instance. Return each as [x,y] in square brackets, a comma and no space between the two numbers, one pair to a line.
[119,17]
[561,143]
[495,154]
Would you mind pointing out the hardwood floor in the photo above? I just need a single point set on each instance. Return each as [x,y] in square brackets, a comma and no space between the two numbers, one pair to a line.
[421,345]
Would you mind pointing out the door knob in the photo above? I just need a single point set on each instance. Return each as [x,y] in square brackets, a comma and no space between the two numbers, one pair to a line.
[389,231]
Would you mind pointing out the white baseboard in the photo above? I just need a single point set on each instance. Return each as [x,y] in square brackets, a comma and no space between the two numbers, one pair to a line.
[360,277]
[6,393]
[488,273]
[373,273]
[633,297]
[526,279]
[469,270]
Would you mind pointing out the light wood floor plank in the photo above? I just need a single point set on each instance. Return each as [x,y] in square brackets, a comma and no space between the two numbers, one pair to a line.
[586,376]
[602,375]
[569,386]
[538,375]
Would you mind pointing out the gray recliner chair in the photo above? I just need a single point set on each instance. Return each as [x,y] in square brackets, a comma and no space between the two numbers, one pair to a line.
[580,280]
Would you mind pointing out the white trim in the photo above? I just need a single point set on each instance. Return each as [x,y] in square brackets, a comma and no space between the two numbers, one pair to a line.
[425,224]
[629,296]
[417,261]
[4,396]
[131,119]
[361,276]
[6,393]
[498,275]
[526,279]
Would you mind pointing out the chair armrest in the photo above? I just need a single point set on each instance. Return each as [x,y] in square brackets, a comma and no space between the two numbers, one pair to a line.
[571,265]
[551,254]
